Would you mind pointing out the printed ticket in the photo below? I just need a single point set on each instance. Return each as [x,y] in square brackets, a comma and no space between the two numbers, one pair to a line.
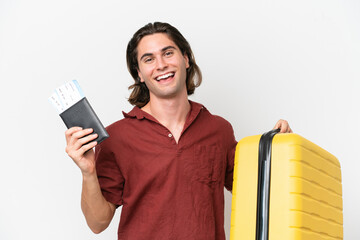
[66,96]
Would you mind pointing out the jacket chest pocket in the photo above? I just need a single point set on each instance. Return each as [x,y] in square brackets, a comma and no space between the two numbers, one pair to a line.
[209,163]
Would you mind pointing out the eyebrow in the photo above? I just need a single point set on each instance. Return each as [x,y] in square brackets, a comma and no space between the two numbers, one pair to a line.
[162,50]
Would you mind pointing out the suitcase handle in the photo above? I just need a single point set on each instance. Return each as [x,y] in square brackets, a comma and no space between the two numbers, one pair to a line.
[264,170]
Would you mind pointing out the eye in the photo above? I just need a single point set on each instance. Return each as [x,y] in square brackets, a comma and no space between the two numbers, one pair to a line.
[168,53]
[148,60]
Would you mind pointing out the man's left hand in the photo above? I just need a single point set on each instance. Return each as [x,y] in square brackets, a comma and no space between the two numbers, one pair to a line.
[284,126]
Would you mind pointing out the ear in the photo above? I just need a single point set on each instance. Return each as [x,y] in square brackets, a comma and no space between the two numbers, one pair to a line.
[139,76]
[186,58]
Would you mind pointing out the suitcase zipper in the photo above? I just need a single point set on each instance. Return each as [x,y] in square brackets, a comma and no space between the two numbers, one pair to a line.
[263,193]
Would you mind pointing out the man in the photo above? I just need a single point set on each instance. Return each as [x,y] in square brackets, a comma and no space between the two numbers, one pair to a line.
[168,161]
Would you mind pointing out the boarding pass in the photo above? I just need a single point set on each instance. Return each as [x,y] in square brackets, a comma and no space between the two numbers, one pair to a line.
[66,96]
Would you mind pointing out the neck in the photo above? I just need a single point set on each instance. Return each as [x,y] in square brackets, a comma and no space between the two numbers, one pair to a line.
[168,111]
[171,112]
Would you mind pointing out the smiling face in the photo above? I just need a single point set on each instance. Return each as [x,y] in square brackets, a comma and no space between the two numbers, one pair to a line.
[162,66]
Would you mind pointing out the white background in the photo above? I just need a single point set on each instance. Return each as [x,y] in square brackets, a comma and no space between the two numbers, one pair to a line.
[261,61]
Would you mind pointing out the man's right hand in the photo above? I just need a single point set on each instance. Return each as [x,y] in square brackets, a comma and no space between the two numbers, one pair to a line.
[98,212]
[79,148]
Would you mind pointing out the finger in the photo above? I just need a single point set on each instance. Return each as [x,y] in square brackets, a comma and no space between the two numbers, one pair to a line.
[288,129]
[80,134]
[284,126]
[282,129]
[86,147]
[70,132]
[77,151]
[76,142]
[82,141]
[279,124]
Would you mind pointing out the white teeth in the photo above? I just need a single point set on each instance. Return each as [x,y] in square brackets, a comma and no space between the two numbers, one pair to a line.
[165,76]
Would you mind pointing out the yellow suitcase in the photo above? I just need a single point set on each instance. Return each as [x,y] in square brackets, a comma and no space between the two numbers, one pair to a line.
[296,193]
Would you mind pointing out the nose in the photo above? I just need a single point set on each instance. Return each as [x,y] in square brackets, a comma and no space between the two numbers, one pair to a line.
[161,63]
